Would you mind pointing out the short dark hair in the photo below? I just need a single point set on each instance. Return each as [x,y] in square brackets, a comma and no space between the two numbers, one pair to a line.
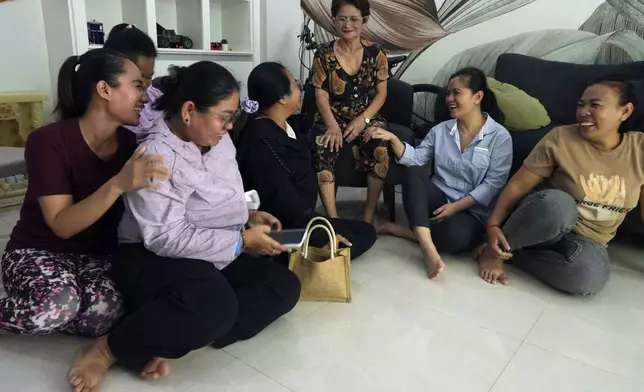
[204,83]
[476,81]
[362,5]
[79,75]
[626,92]
[132,42]
[267,84]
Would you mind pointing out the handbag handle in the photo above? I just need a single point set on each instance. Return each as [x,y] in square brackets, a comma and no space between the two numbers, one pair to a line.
[332,240]
[324,221]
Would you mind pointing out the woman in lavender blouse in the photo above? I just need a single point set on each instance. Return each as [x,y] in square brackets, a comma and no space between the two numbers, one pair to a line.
[471,157]
[183,271]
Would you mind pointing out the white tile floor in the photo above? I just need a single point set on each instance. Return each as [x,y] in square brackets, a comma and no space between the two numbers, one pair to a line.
[402,333]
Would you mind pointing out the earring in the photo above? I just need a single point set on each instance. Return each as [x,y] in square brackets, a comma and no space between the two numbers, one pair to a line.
[185,120]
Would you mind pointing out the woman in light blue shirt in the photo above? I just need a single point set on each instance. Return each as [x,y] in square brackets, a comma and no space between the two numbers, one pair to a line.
[471,156]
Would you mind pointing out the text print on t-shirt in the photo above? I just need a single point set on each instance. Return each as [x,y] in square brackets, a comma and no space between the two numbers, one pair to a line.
[604,199]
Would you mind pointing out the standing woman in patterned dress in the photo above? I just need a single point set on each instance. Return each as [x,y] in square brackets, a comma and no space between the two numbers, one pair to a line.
[345,73]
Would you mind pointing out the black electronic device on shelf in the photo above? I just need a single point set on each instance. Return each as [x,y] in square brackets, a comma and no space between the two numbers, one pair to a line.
[95,33]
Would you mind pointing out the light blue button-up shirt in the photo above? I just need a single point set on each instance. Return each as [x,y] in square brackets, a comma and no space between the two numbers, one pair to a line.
[480,170]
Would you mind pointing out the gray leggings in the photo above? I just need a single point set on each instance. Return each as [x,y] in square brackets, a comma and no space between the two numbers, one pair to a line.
[540,234]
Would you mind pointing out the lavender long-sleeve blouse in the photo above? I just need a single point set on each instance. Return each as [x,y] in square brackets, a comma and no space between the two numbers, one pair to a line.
[199,212]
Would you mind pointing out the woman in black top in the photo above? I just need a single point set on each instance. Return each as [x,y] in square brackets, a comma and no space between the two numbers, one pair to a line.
[279,166]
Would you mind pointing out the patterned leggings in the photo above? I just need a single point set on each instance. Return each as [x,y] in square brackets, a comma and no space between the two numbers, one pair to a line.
[57,292]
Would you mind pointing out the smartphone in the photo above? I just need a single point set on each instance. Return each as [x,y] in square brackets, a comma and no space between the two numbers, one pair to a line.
[293,238]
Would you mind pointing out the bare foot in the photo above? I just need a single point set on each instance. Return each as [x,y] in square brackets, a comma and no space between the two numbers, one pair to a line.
[491,267]
[90,365]
[155,369]
[434,263]
[397,230]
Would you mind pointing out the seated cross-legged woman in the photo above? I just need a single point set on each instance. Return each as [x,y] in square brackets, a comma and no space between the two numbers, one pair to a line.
[186,278]
[277,164]
[56,265]
[556,215]
[471,157]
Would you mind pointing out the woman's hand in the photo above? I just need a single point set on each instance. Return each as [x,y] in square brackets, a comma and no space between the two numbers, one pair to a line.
[141,172]
[354,129]
[256,218]
[332,138]
[378,134]
[340,241]
[256,239]
[497,243]
[445,211]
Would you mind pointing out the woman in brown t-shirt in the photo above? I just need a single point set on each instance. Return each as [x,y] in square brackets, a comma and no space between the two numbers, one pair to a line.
[346,72]
[56,265]
[593,174]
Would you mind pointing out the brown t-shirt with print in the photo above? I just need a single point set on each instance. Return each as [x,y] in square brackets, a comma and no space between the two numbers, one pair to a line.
[605,184]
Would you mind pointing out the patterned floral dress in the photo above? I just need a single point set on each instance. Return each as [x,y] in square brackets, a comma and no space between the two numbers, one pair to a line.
[349,97]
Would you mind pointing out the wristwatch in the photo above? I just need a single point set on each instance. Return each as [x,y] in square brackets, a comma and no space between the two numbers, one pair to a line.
[366,120]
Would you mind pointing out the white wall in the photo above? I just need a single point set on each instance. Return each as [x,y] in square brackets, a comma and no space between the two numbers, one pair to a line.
[215,22]
[283,23]
[540,15]
[188,22]
[166,11]
[23,63]
[235,24]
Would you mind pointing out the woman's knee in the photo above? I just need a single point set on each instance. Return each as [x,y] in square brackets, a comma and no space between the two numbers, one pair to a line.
[587,277]
[101,309]
[52,310]
[549,213]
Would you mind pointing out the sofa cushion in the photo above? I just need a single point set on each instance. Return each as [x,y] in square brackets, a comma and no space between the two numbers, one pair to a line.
[557,85]
[521,111]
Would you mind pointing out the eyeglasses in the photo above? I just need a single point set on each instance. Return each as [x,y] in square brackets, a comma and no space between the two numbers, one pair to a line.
[228,119]
[354,20]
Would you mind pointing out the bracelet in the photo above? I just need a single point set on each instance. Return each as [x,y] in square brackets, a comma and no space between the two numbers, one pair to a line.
[488,227]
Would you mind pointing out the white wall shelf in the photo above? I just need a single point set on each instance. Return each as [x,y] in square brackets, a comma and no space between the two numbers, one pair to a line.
[204,21]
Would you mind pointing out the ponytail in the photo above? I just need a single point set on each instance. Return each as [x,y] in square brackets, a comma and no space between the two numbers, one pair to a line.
[490,105]
[78,77]
[66,106]
[476,81]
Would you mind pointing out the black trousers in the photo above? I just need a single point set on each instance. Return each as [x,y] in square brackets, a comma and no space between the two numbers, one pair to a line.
[178,305]
[421,197]
[361,234]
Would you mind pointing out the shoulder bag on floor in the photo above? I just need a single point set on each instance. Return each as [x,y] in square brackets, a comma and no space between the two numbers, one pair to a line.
[325,274]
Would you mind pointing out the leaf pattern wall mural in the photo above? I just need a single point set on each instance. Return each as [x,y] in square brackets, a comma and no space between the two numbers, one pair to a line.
[616,15]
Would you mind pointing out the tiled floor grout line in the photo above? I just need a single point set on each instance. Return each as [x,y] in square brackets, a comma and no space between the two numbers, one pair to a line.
[505,367]
[523,341]
[538,318]
[577,360]
[274,333]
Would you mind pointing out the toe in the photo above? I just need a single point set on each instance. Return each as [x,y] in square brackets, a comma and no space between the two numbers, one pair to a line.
[504,279]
